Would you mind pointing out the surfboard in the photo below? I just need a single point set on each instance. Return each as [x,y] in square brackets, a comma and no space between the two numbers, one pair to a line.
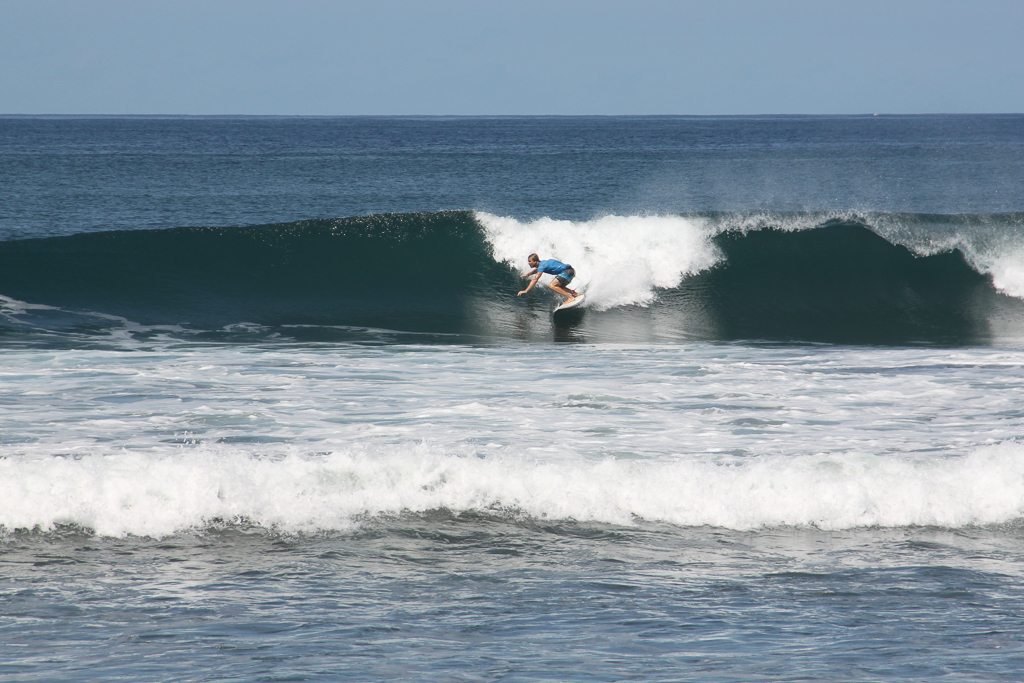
[572,304]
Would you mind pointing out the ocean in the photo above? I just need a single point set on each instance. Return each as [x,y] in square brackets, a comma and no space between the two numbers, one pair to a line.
[271,409]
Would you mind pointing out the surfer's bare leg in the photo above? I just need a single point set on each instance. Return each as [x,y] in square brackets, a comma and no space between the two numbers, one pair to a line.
[559,289]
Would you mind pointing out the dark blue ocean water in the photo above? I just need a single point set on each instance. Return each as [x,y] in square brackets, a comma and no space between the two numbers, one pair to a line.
[271,410]
[69,175]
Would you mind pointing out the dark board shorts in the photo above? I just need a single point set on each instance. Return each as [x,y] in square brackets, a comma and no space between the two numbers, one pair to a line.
[565,277]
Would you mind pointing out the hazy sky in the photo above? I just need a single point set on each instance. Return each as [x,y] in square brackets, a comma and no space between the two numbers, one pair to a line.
[522,57]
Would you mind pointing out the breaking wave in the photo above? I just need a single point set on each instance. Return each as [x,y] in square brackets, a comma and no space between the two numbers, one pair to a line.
[135,493]
[882,278]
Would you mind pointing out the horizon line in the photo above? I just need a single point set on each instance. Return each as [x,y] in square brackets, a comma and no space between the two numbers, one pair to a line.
[507,116]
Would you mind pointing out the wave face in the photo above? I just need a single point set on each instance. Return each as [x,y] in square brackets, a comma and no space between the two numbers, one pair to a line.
[883,279]
[411,272]
[840,282]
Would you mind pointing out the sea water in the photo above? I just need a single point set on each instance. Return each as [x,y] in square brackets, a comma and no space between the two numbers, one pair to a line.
[271,410]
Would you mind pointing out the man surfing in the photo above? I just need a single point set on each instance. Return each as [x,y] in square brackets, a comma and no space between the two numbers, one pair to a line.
[563,272]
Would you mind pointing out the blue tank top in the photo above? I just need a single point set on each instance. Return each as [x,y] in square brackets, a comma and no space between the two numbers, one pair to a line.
[552,267]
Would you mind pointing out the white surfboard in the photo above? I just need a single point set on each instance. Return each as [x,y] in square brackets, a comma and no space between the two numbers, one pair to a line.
[572,304]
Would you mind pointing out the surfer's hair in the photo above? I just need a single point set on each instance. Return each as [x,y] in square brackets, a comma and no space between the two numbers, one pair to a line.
[532,257]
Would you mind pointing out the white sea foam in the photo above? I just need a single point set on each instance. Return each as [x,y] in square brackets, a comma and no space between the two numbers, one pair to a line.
[298,438]
[11,307]
[619,260]
[1007,271]
[132,493]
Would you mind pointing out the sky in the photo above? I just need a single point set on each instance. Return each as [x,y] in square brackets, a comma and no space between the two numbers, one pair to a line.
[496,57]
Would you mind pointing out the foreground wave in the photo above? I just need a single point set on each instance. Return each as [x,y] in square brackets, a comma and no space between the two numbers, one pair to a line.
[887,278]
[137,494]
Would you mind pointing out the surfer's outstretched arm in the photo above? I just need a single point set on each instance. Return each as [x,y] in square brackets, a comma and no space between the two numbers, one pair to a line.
[532,283]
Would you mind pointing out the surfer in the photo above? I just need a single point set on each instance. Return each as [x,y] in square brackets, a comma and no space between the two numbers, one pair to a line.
[563,273]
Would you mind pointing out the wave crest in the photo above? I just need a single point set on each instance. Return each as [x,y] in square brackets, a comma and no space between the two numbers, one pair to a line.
[131,493]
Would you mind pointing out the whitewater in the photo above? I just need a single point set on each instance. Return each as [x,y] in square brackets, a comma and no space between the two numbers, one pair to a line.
[302,439]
